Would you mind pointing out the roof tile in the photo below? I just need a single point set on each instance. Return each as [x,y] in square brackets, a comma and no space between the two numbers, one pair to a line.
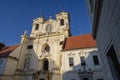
[7,50]
[77,42]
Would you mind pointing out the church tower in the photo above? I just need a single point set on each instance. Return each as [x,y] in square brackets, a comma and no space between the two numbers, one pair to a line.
[47,27]
[41,52]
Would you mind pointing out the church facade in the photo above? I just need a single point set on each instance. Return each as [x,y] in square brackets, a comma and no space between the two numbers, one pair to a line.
[51,53]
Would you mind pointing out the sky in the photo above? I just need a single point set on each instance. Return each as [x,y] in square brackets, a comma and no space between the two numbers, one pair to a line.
[16,16]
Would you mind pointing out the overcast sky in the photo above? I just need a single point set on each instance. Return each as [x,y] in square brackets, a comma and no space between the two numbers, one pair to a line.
[16,16]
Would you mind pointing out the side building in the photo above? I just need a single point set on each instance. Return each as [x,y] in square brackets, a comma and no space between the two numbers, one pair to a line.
[51,53]
[105,19]
[5,52]
[80,59]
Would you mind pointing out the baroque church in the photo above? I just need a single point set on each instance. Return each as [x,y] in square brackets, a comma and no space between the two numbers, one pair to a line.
[51,53]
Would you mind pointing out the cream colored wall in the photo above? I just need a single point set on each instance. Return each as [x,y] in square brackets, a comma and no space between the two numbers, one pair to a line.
[52,40]
[22,51]
[37,53]
[55,24]
[9,71]
[12,62]
[11,65]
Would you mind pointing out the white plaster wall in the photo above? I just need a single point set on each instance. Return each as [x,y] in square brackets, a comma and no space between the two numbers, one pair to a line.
[76,53]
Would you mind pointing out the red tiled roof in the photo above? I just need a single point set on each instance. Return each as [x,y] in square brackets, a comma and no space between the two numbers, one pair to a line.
[77,42]
[7,50]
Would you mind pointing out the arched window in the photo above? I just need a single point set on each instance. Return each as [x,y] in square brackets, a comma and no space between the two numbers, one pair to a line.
[46,48]
[36,26]
[48,28]
[62,22]
[29,46]
[45,64]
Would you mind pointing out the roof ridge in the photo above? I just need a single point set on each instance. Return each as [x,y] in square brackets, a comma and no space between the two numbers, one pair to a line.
[4,48]
[14,45]
[80,35]
[7,50]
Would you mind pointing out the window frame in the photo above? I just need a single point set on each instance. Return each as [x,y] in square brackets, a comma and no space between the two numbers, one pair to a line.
[37,27]
[61,22]
[96,60]
[83,61]
[71,61]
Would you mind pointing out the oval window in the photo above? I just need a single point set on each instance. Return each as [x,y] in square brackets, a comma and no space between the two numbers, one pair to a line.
[48,28]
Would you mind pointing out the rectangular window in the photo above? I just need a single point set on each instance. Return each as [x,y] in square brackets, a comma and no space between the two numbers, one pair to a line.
[95,59]
[71,62]
[61,43]
[83,63]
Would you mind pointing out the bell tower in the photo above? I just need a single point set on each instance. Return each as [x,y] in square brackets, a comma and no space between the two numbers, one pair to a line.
[63,21]
[60,25]
[37,26]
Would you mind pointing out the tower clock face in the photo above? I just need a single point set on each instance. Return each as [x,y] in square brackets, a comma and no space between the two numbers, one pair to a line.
[48,28]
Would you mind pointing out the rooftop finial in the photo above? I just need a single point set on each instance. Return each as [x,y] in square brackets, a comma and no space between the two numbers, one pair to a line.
[62,8]
[50,17]
[42,14]
[25,32]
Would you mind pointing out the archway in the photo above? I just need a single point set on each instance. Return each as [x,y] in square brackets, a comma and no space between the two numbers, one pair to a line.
[45,64]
